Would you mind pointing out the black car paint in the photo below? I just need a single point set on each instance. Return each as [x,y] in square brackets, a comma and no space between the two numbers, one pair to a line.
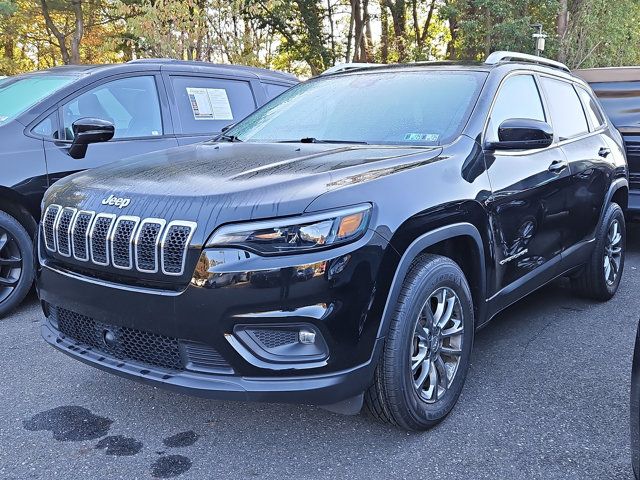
[482,208]
[634,409]
[31,163]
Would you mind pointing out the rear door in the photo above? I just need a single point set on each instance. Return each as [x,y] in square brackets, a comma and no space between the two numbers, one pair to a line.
[136,107]
[204,105]
[527,206]
[579,126]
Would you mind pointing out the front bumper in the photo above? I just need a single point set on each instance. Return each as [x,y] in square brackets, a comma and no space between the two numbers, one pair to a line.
[311,389]
[332,292]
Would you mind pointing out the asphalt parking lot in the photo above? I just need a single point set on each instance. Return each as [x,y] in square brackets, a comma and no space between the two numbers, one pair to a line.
[546,398]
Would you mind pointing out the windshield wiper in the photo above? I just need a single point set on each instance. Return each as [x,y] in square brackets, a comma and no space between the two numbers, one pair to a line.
[316,140]
[228,138]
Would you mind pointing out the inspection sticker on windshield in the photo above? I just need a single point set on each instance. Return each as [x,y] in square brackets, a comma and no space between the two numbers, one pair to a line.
[421,137]
[210,103]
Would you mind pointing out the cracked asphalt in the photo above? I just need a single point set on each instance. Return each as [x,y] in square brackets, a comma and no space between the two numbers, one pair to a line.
[546,398]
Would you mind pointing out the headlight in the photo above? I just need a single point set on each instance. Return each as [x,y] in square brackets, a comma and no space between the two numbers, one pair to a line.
[296,234]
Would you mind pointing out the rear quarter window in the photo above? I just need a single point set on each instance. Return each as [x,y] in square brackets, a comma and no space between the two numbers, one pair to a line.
[206,105]
[272,90]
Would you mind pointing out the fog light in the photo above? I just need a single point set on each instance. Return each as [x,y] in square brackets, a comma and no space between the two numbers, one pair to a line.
[307,337]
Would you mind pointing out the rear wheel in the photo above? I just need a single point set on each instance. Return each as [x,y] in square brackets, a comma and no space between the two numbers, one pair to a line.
[601,276]
[426,354]
[17,267]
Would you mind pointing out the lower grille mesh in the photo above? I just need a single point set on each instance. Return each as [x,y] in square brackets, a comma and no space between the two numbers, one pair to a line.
[138,346]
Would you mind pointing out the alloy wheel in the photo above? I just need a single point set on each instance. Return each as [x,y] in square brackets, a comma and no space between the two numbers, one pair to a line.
[437,344]
[613,253]
[10,264]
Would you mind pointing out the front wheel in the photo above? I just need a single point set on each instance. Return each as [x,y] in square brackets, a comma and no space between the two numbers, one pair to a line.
[600,278]
[428,347]
[17,267]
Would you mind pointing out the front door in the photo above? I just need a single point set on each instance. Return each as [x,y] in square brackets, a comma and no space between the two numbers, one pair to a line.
[132,104]
[527,207]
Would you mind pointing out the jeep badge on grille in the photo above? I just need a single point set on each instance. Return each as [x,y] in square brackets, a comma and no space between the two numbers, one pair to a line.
[119,202]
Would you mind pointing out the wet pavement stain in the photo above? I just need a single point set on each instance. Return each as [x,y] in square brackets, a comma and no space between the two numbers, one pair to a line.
[69,423]
[170,466]
[182,439]
[119,445]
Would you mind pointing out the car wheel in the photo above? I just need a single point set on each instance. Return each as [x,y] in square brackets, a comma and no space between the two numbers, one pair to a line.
[600,278]
[17,266]
[427,349]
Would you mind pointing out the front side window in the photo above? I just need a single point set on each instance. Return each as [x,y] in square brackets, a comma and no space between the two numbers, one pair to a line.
[591,108]
[566,110]
[17,94]
[518,97]
[131,104]
[395,108]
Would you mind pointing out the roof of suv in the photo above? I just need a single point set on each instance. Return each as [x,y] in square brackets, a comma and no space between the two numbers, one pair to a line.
[178,65]
[493,61]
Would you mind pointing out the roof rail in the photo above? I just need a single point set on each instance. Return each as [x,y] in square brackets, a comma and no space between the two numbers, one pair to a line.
[343,67]
[504,56]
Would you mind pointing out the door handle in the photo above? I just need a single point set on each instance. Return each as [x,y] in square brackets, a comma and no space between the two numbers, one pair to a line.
[558,165]
[604,152]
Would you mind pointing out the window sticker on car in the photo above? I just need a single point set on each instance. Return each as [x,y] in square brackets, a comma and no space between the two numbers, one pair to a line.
[422,137]
[210,103]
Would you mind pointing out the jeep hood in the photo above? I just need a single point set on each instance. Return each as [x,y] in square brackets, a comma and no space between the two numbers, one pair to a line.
[215,183]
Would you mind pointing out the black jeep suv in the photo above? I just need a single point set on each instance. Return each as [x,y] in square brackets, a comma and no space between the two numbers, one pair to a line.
[342,243]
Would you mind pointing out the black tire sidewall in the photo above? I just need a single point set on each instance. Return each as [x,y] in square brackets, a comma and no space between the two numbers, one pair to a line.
[432,276]
[25,244]
[614,212]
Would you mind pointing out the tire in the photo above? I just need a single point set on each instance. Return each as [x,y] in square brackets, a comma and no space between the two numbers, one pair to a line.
[17,263]
[593,282]
[394,397]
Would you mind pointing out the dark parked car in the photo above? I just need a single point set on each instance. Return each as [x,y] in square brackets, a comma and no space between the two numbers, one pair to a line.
[152,104]
[424,198]
[618,90]
[635,407]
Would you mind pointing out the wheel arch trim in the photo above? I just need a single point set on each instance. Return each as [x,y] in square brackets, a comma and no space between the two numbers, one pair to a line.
[421,243]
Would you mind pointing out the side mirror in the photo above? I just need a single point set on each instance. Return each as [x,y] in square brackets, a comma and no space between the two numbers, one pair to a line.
[87,131]
[522,134]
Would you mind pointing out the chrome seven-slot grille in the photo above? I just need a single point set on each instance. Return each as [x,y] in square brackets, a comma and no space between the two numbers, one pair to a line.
[149,245]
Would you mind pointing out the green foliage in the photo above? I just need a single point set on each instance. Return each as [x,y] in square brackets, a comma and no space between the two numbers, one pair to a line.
[307,36]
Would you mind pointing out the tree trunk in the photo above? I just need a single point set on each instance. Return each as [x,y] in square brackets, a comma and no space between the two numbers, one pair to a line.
[78,32]
[66,58]
[399,18]
[347,57]
[384,38]
[368,40]
[358,29]
[563,25]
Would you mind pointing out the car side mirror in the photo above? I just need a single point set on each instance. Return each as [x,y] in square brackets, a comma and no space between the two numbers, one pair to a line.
[522,134]
[87,131]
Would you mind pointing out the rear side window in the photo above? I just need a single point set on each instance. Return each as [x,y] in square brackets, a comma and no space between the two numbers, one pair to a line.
[518,97]
[272,90]
[591,108]
[567,114]
[131,104]
[206,105]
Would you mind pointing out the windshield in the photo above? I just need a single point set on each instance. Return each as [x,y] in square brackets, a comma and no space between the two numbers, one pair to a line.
[391,108]
[19,93]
